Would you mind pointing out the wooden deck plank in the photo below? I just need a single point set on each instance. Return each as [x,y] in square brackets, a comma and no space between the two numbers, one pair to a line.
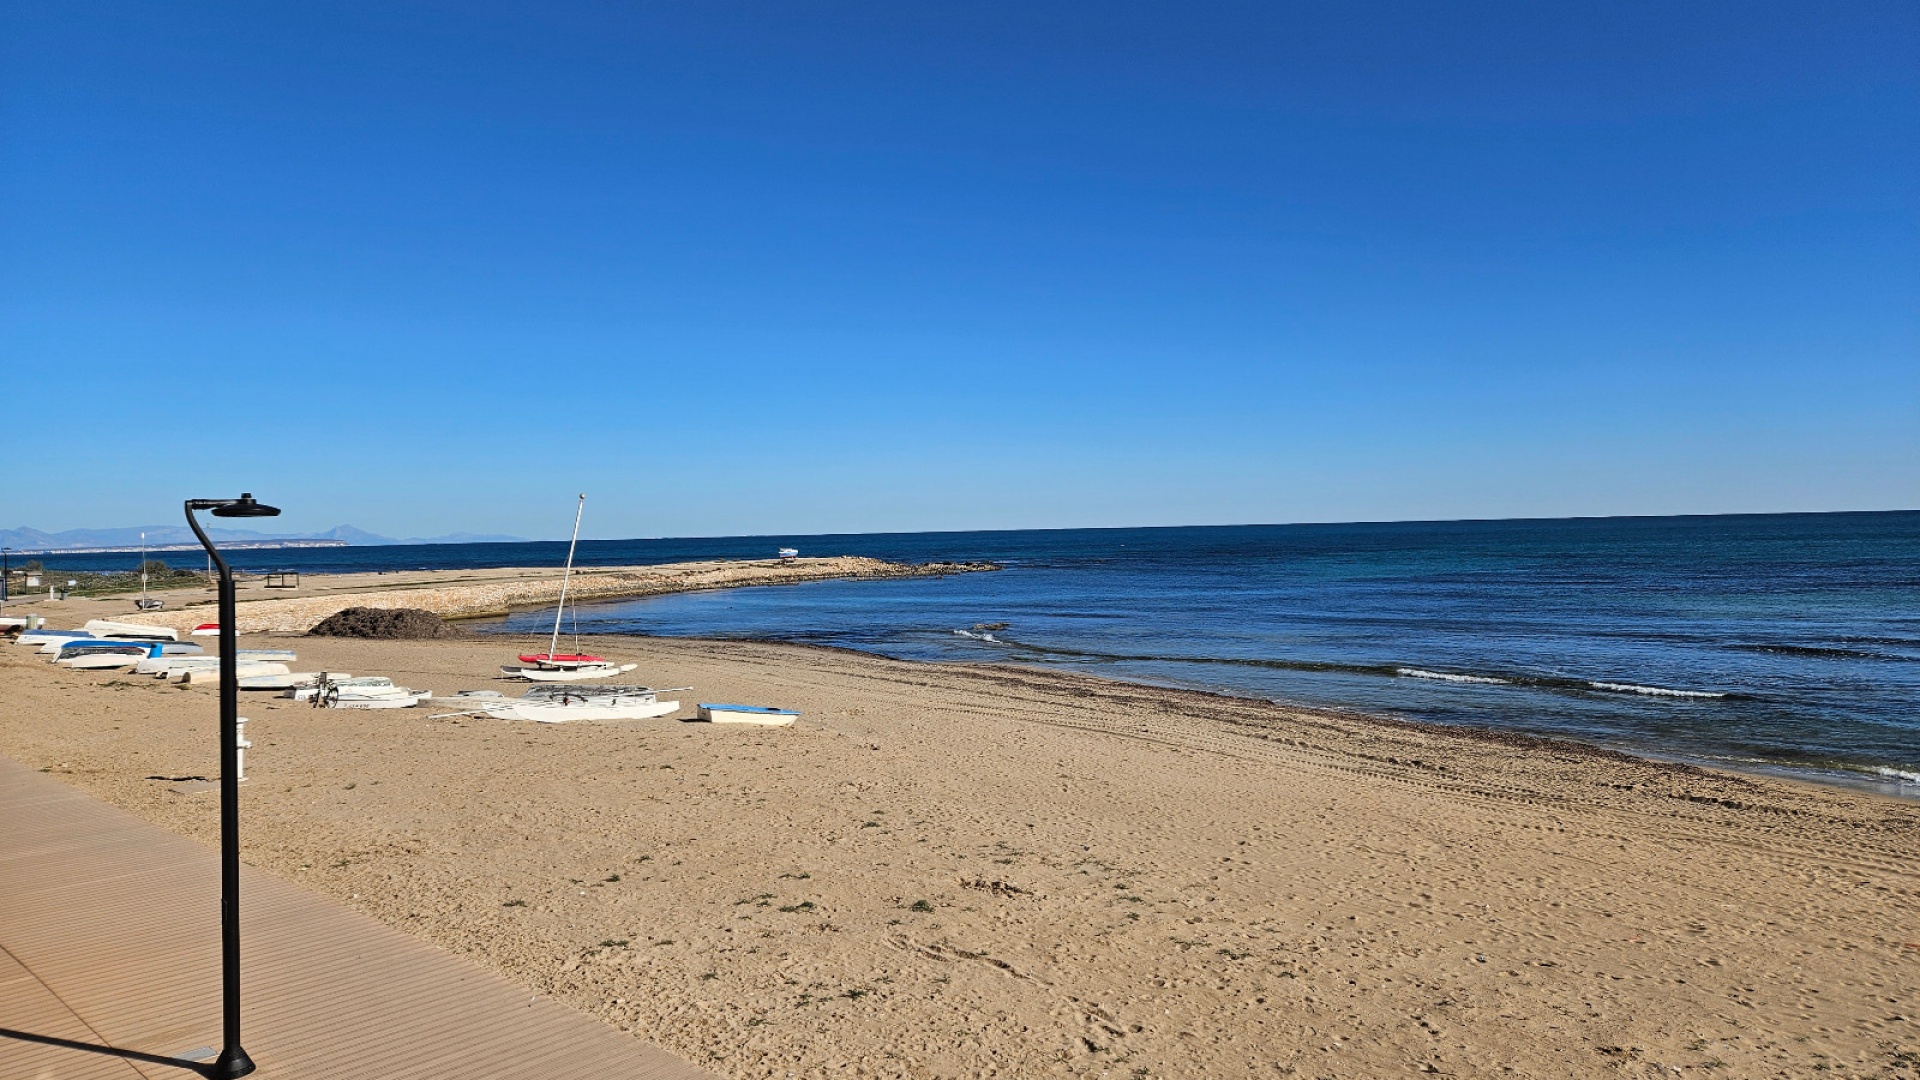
[37,1030]
[109,937]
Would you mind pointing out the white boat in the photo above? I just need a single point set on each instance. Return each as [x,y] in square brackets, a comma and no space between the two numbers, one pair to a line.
[170,665]
[550,668]
[280,682]
[205,629]
[210,676]
[342,680]
[104,655]
[389,701]
[108,628]
[563,704]
[336,691]
[354,694]
[11,622]
[50,646]
[764,716]
[100,662]
[553,666]
[79,648]
[37,638]
[164,665]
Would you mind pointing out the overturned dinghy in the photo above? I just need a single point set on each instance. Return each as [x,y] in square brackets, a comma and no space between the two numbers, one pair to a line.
[96,654]
[367,692]
[562,704]
[209,674]
[762,715]
[342,681]
[127,630]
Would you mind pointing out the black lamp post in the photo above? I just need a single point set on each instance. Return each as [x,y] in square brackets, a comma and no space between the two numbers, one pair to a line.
[233,1061]
[6,576]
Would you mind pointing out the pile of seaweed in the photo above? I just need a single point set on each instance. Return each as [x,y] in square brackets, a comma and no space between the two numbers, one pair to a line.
[385,624]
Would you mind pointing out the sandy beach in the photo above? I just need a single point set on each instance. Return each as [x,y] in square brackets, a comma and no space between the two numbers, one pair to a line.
[977,871]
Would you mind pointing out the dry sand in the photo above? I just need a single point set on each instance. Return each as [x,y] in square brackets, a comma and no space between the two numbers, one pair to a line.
[973,871]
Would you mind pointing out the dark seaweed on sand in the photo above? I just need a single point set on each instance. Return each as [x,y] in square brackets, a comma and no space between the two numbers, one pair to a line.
[386,624]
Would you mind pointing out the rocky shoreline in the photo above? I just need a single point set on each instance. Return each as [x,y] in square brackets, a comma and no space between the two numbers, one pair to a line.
[486,599]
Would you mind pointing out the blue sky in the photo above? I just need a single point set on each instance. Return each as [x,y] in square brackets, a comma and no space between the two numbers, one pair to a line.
[738,268]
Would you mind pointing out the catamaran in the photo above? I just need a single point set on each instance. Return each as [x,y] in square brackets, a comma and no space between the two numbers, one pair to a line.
[561,704]
[551,666]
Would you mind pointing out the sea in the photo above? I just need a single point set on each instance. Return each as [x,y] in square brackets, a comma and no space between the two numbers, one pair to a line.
[1782,643]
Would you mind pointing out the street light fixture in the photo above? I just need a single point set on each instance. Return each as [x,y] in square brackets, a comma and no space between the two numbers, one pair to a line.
[233,1061]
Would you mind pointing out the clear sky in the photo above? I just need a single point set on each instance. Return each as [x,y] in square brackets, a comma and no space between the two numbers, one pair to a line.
[751,268]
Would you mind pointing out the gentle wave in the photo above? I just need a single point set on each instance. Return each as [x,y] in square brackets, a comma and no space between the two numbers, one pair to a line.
[983,636]
[1421,673]
[1655,691]
[1901,775]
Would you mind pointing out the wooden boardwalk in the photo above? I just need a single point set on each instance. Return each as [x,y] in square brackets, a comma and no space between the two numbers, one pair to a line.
[110,967]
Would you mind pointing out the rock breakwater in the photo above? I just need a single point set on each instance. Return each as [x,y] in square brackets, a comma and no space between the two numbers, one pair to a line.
[480,599]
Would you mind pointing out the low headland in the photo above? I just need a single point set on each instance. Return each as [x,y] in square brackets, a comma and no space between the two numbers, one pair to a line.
[267,607]
[974,870]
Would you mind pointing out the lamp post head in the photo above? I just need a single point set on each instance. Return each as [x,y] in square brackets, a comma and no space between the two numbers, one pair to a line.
[244,506]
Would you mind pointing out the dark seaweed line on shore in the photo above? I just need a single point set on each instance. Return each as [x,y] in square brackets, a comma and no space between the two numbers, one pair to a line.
[1562,684]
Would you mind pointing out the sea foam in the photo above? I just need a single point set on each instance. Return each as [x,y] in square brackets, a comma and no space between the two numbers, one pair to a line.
[1443,676]
[1901,775]
[1656,691]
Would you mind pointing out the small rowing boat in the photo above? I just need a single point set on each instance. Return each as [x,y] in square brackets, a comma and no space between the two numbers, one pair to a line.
[761,715]
[127,630]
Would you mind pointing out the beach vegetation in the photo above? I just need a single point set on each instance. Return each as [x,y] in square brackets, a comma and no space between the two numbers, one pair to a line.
[159,576]
[614,943]
[804,905]
[611,878]
[920,906]
[514,903]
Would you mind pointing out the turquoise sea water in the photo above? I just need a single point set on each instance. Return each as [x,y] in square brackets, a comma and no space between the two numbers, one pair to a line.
[1772,642]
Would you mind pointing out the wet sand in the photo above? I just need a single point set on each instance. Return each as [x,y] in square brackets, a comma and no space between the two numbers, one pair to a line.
[947,870]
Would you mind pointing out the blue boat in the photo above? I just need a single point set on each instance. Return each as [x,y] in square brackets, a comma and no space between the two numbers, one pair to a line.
[762,715]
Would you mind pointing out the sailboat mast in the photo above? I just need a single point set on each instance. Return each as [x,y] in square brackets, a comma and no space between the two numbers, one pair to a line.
[565,575]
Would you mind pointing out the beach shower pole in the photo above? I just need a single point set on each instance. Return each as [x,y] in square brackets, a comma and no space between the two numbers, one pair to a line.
[6,576]
[233,1061]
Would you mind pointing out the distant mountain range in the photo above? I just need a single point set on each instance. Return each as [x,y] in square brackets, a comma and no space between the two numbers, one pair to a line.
[27,540]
